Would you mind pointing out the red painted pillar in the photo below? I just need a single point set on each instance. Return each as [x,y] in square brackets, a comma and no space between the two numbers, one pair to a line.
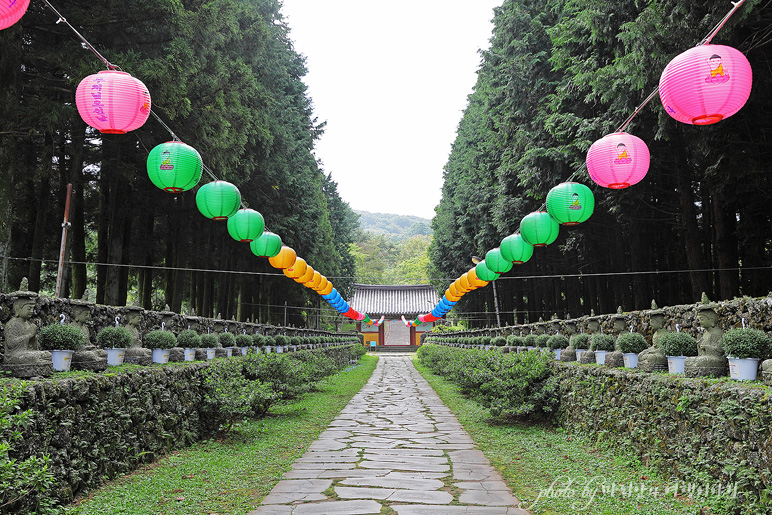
[412,335]
[382,334]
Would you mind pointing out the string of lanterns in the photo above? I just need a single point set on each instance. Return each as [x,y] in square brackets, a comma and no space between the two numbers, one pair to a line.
[701,86]
[114,102]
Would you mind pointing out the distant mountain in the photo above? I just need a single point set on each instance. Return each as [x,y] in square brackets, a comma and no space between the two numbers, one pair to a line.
[396,227]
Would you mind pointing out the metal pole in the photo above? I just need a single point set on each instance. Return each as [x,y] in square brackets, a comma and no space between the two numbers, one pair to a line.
[65,226]
[496,304]
[285,313]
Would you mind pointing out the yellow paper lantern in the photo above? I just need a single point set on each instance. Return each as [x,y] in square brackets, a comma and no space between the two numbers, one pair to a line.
[284,259]
[297,269]
[307,276]
[315,281]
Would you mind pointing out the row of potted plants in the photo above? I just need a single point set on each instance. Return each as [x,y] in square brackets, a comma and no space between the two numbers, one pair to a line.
[63,340]
[743,347]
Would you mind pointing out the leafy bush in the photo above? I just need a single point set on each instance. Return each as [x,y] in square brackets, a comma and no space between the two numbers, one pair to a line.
[226,339]
[160,340]
[557,341]
[541,340]
[281,340]
[601,341]
[243,340]
[269,341]
[515,341]
[360,350]
[296,340]
[208,341]
[499,341]
[530,340]
[189,339]
[631,343]
[677,344]
[60,337]
[114,338]
[746,343]
[258,340]
[580,341]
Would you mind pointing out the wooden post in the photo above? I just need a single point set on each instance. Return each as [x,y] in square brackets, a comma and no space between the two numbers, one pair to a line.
[63,248]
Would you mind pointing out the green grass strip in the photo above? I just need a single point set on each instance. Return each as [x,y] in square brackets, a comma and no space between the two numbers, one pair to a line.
[232,475]
[532,458]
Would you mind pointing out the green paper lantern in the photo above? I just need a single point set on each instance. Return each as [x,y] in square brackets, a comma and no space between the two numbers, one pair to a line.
[174,166]
[514,248]
[484,273]
[218,200]
[570,203]
[496,262]
[539,229]
[246,225]
[268,245]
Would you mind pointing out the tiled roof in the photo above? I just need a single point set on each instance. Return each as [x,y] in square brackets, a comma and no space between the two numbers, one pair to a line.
[394,301]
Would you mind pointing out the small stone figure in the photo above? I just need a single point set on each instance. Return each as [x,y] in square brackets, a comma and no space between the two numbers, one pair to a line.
[570,353]
[88,357]
[593,326]
[652,359]
[617,359]
[22,357]
[710,360]
[766,371]
[136,354]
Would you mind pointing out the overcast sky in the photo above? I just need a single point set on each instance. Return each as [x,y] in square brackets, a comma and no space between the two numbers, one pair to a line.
[391,81]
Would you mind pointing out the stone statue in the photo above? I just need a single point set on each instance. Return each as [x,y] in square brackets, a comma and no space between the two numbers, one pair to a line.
[22,357]
[88,356]
[616,359]
[593,326]
[652,359]
[710,360]
[766,371]
[136,354]
[570,353]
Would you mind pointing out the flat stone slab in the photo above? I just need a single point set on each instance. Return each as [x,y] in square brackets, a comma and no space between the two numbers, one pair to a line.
[338,508]
[407,484]
[417,509]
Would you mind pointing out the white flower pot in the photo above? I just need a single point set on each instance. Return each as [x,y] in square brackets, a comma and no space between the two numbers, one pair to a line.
[579,353]
[280,350]
[229,351]
[160,355]
[675,364]
[244,351]
[115,357]
[531,348]
[190,354]
[631,360]
[557,354]
[600,357]
[743,369]
[62,359]
[211,353]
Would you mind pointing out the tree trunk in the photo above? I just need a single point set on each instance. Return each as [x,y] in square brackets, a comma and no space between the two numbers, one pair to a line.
[724,223]
[77,213]
[39,232]
[102,235]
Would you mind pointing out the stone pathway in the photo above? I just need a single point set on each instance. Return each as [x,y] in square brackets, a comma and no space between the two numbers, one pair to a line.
[395,445]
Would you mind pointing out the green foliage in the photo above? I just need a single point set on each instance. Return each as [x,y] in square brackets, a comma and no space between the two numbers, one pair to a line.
[541,340]
[557,341]
[499,341]
[269,341]
[281,340]
[514,386]
[226,340]
[258,340]
[189,339]
[515,341]
[580,341]
[601,341]
[296,340]
[530,340]
[360,350]
[114,337]
[60,337]
[160,340]
[677,344]
[631,343]
[232,396]
[746,343]
[448,328]
[208,341]
[243,340]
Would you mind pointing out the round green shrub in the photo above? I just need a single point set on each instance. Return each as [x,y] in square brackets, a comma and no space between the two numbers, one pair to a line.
[600,341]
[677,344]
[60,337]
[160,340]
[296,340]
[269,341]
[746,343]
[258,340]
[227,339]
[281,340]
[541,340]
[243,340]
[188,339]
[557,341]
[114,338]
[499,341]
[209,341]
[530,340]
[515,341]
[631,343]
[485,340]
[580,341]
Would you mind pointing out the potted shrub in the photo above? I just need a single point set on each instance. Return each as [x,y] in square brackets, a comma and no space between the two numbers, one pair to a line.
[227,341]
[581,343]
[258,340]
[530,341]
[244,342]
[270,344]
[209,342]
[744,348]
[114,340]
[677,347]
[62,340]
[631,344]
[499,341]
[190,341]
[281,342]
[515,341]
[160,341]
[541,341]
[557,342]
[601,344]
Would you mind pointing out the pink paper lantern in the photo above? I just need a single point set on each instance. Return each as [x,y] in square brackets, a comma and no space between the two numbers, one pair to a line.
[618,160]
[706,84]
[11,11]
[113,102]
